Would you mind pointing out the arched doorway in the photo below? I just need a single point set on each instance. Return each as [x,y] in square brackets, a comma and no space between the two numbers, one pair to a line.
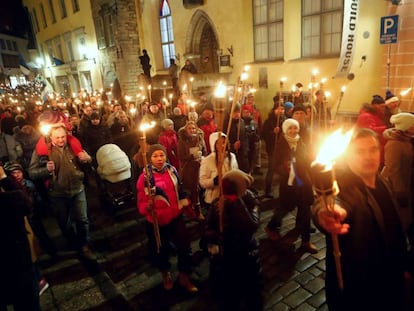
[202,43]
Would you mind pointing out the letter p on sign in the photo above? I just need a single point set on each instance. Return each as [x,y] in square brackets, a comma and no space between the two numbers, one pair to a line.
[389,29]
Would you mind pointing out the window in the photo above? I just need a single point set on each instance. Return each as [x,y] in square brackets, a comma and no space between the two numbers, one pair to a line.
[52,11]
[75,6]
[105,28]
[2,44]
[9,45]
[10,61]
[14,45]
[50,51]
[67,38]
[70,50]
[321,27]
[35,21]
[100,34]
[268,29]
[109,31]
[63,12]
[167,34]
[82,47]
[59,51]
[42,10]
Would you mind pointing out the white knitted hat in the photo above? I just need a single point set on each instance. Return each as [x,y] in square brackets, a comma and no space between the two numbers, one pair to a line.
[402,121]
[289,122]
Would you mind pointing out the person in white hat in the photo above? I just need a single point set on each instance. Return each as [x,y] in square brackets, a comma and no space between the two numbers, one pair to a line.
[398,162]
[295,187]
[392,107]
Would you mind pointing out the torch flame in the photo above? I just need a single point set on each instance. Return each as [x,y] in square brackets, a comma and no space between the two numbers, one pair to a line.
[244,76]
[45,129]
[333,146]
[146,126]
[220,90]
[405,92]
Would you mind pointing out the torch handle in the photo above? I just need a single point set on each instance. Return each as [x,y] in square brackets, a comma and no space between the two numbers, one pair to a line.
[49,153]
[328,201]
[150,193]
[337,256]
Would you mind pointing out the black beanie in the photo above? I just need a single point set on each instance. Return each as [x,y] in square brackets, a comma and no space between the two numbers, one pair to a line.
[377,100]
[154,148]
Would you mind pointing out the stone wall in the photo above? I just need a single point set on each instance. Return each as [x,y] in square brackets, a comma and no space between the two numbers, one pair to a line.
[120,60]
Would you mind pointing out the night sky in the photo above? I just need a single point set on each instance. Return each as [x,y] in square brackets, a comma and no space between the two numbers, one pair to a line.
[13,19]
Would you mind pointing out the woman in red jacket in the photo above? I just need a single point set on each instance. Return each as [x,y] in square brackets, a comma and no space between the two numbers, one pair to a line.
[159,193]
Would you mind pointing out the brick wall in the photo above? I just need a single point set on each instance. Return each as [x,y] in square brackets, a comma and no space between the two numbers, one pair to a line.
[401,60]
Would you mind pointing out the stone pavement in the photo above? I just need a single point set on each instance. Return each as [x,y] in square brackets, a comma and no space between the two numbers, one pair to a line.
[122,278]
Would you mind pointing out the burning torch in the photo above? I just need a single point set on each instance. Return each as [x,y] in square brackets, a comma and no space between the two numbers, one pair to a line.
[220,101]
[45,130]
[325,184]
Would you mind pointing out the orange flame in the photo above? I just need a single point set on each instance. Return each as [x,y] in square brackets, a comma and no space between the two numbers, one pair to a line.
[333,147]
[145,126]
[45,129]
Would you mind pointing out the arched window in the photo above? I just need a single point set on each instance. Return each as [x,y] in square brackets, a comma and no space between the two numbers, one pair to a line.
[167,34]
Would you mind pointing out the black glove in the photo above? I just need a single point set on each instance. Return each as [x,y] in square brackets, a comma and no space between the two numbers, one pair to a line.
[215,180]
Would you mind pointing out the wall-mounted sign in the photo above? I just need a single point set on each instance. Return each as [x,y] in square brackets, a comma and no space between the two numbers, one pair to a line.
[224,60]
[389,29]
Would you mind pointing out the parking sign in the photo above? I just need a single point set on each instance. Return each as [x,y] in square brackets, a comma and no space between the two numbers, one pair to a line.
[389,29]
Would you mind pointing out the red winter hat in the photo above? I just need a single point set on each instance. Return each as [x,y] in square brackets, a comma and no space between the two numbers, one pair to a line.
[248,108]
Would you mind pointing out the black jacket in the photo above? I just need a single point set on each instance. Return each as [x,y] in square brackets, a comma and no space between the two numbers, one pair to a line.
[373,252]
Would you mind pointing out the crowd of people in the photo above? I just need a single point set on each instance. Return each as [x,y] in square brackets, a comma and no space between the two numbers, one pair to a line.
[189,167]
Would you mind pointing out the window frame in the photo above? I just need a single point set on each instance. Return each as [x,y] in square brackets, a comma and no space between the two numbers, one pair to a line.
[35,21]
[52,11]
[75,6]
[326,40]
[166,32]
[63,10]
[104,25]
[42,11]
[271,27]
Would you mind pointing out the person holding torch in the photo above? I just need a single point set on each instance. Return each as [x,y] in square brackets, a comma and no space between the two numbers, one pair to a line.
[161,201]
[56,160]
[369,237]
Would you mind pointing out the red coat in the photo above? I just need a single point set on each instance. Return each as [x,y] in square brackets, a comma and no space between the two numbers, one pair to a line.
[208,127]
[166,209]
[73,142]
[169,140]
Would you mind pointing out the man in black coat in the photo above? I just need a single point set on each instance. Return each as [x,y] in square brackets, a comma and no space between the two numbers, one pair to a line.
[371,238]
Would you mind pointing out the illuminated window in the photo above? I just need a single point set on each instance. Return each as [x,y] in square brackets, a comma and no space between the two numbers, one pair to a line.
[268,29]
[321,27]
[167,34]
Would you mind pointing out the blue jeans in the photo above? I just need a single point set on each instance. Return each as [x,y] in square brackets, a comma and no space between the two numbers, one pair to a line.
[73,209]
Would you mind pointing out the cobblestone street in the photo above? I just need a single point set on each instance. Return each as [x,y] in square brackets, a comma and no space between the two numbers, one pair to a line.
[123,278]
